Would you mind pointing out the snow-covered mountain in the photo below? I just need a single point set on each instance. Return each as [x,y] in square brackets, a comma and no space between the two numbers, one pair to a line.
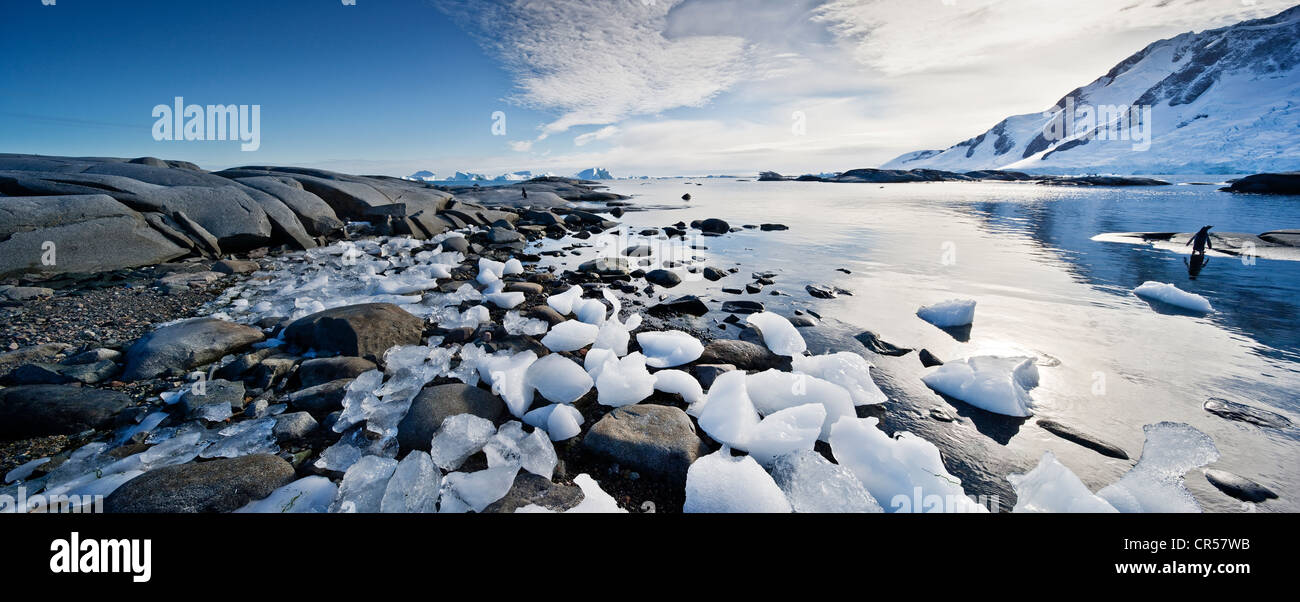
[1224,100]
[595,173]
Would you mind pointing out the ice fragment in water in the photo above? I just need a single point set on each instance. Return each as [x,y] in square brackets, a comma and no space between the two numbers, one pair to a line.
[414,487]
[786,431]
[846,369]
[814,484]
[720,483]
[773,391]
[558,379]
[1051,487]
[904,473]
[314,494]
[949,314]
[1156,483]
[997,384]
[1172,295]
[780,336]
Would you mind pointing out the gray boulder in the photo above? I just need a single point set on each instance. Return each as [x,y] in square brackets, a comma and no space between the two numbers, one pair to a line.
[217,486]
[185,345]
[322,398]
[651,438]
[366,330]
[39,410]
[437,403]
[321,370]
[744,355]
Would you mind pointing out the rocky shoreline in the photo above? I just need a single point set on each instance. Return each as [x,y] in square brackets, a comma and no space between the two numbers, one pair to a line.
[422,349]
[900,176]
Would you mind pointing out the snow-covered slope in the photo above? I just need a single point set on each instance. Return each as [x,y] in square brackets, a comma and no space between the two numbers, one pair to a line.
[1221,101]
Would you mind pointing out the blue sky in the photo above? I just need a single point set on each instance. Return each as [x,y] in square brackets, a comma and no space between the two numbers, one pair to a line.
[652,87]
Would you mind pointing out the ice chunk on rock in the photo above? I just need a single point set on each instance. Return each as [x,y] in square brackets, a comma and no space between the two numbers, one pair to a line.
[514,323]
[363,485]
[532,451]
[1156,483]
[1172,295]
[814,484]
[1051,487]
[589,311]
[997,384]
[244,439]
[846,369]
[728,414]
[564,422]
[594,499]
[563,302]
[720,483]
[465,491]
[508,377]
[459,437]
[570,335]
[904,474]
[505,300]
[773,391]
[680,383]
[624,382]
[25,470]
[780,336]
[949,314]
[558,379]
[307,495]
[786,431]
[414,487]
[669,348]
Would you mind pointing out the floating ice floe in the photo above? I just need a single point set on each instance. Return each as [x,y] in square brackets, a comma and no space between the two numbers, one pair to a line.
[949,314]
[314,494]
[1155,484]
[363,485]
[570,335]
[458,438]
[1172,295]
[904,473]
[669,348]
[814,484]
[1051,487]
[773,390]
[846,369]
[780,336]
[623,381]
[997,384]
[414,486]
[558,379]
[784,432]
[465,491]
[719,482]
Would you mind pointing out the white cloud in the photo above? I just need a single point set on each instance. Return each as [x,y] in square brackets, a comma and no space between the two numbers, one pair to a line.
[600,134]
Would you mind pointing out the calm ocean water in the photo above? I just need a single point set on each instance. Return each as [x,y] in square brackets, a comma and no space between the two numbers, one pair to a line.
[1044,288]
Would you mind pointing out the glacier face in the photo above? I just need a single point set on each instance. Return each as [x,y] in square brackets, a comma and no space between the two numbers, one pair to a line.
[1224,100]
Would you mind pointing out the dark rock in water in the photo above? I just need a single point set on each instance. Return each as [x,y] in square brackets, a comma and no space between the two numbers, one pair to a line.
[689,304]
[742,307]
[686,197]
[91,233]
[318,371]
[1239,487]
[437,403]
[322,398]
[664,278]
[1102,181]
[941,415]
[185,345]
[28,411]
[533,489]
[707,373]
[929,360]
[820,292]
[214,392]
[638,251]
[753,288]
[1268,183]
[1232,410]
[803,321]
[872,341]
[216,486]
[773,227]
[714,274]
[1072,434]
[366,330]
[294,426]
[649,438]
[744,355]
[714,225]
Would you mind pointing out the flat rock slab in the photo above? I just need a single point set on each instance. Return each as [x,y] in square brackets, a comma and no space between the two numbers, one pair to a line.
[1070,433]
[39,410]
[186,345]
[1231,410]
[365,331]
[1238,487]
[437,403]
[650,438]
[321,370]
[744,355]
[216,486]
